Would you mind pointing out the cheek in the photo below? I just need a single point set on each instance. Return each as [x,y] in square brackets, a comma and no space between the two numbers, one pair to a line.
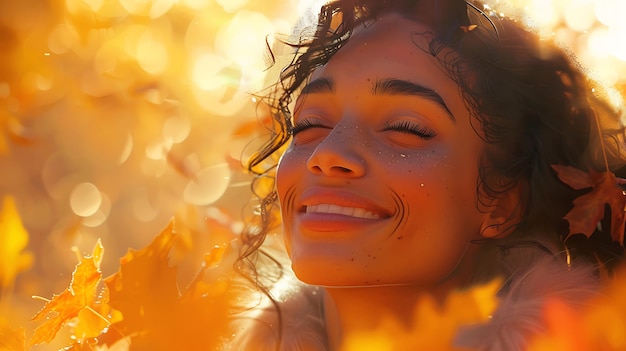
[290,170]
[435,188]
[416,172]
[290,167]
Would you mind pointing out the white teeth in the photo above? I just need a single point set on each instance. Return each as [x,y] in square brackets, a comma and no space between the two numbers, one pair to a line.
[346,211]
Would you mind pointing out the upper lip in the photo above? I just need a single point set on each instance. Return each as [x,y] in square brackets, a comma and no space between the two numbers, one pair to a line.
[340,197]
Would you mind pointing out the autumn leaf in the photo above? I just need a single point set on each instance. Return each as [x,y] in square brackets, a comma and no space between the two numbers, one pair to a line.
[249,127]
[156,315]
[80,306]
[596,324]
[589,208]
[11,339]
[144,289]
[434,326]
[13,241]
[564,329]
[204,309]
[5,117]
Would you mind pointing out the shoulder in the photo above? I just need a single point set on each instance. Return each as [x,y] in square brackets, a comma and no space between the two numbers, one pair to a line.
[522,301]
[293,323]
[296,318]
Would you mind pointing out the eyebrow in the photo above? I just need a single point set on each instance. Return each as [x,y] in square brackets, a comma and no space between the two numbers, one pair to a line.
[388,86]
[319,86]
[394,86]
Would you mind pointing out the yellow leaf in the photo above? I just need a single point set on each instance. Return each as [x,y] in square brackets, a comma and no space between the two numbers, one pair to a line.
[11,339]
[434,324]
[156,315]
[91,322]
[79,306]
[13,241]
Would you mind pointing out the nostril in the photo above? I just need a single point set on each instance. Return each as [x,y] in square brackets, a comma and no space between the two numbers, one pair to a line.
[332,169]
[343,169]
[335,162]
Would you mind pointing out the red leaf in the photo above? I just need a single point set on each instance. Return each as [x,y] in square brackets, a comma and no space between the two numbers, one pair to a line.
[588,209]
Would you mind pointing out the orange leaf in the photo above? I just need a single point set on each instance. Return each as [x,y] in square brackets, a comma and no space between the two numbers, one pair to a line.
[13,241]
[434,325]
[156,316]
[79,306]
[11,339]
[144,289]
[249,127]
[595,324]
[588,209]
[563,326]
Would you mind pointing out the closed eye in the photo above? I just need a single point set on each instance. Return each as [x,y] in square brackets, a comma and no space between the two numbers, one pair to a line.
[409,127]
[305,125]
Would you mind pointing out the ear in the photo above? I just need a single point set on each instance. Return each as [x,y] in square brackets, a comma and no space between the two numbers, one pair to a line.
[503,214]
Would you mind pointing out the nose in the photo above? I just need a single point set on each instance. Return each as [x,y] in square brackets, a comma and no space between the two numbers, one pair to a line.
[338,155]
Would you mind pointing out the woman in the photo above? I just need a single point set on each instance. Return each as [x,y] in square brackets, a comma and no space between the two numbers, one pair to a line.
[425,154]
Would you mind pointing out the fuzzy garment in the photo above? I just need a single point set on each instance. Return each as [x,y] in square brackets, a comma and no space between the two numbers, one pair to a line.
[518,317]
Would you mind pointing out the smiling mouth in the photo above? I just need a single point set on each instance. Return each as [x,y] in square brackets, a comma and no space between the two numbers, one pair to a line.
[345,211]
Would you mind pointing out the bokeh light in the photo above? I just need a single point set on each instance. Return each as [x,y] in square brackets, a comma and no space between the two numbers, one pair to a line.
[208,186]
[85,199]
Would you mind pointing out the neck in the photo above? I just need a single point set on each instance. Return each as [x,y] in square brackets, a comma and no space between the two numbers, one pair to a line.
[363,310]
[384,310]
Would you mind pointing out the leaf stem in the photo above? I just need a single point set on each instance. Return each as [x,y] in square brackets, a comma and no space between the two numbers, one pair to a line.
[602,146]
[36,297]
[99,315]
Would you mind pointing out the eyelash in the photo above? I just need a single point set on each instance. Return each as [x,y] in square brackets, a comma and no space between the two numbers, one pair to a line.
[402,127]
[304,125]
[411,128]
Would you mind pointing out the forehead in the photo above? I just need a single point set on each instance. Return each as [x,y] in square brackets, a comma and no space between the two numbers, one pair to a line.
[393,28]
[391,46]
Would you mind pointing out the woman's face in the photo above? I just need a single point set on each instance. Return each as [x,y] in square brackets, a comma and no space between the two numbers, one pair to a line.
[378,186]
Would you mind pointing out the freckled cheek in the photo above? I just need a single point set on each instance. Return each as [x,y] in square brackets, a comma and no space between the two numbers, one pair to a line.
[416,168]
[426,180]
[292,162]
[438,185]
[294,156]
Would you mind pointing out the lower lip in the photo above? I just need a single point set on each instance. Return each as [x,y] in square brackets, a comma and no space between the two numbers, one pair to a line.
[331,222]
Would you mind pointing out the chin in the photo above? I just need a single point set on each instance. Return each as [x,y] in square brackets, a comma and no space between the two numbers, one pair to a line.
[321,276]
[336,277]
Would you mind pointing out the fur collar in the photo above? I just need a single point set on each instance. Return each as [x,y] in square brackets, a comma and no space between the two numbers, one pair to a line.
[518,317]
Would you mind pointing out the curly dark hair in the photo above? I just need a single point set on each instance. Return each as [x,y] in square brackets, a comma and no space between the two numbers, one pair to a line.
[529,100]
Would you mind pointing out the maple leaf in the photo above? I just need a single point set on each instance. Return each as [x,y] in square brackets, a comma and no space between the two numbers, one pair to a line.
[80,306]
[596,324]
[588,208]
[204,308]
[144,289]
[156,315]
[11,339]
[434,326]
[13,240]
[564,330]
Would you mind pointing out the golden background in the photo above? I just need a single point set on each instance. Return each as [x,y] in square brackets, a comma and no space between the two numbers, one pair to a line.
[117,115]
